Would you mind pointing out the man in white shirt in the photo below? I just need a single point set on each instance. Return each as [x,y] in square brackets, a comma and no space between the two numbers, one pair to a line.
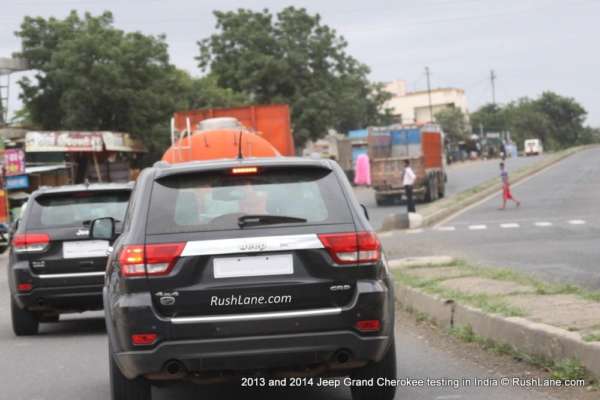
[408,180]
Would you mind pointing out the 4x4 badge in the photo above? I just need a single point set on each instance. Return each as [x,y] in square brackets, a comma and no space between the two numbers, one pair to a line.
[166,298]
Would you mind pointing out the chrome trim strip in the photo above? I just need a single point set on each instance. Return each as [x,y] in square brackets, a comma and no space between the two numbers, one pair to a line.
[252,245]
[71,275]
[258,316]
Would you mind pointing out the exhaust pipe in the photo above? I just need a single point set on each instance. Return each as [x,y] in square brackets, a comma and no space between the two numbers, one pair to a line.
[342,356]
[174,368]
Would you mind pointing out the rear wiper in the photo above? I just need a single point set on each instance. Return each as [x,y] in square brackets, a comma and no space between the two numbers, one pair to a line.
[266,219]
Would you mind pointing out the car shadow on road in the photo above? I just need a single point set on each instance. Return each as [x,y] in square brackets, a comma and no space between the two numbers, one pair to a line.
[72,326]
[234,391]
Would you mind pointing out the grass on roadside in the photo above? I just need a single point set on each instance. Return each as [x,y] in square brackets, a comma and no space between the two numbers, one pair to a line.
[592,337]
[568,369]
[485,302]
[501,274]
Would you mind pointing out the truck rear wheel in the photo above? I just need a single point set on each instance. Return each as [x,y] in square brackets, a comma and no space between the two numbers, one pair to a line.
[431,190]
[384,199]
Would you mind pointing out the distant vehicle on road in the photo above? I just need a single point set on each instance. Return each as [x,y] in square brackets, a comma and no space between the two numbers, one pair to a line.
[246,268]
[533,147]
[54,267]
[422,146]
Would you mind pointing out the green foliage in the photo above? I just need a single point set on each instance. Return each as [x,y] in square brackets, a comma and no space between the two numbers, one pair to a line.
[569,369]
[293,58]
[490,117]
[454,124]
[556,120]
[92,76]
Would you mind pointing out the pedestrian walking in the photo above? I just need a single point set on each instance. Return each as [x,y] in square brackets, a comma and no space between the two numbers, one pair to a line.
[408,180]
[506,193]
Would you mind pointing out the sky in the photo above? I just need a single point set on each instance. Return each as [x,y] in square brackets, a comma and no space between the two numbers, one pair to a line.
[532,45]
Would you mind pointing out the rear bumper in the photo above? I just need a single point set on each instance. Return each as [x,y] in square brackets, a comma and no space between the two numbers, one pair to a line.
[57,292]
[285,343]
[255,353]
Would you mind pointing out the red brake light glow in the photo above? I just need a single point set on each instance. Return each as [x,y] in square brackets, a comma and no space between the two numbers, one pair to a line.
[152,259]
[30,242]
[24,287]
[244,170]
[352,248]
[143,339]
[370,325]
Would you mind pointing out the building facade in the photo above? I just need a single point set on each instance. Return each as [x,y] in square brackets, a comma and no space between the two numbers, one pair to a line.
[414,107]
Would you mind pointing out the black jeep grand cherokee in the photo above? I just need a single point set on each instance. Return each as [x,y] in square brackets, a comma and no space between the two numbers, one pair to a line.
[228,269]
[54,267]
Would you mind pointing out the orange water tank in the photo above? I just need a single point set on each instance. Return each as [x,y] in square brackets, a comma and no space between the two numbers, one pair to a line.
[219,144]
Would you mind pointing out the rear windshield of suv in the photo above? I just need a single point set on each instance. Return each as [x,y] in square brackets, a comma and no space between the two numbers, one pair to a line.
[76,208]
[215,200]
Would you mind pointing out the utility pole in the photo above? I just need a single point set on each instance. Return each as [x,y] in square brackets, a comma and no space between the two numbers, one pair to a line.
[428,73]
[493,81]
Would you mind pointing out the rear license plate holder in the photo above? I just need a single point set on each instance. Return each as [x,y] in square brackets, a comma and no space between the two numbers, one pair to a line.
[85,249]
[247,266]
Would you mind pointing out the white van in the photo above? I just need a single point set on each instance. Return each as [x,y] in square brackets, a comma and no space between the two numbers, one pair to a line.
[533,147]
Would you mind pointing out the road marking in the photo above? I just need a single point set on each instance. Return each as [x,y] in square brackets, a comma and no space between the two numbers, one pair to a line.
[511,225]
[477,227]
[414,231]
[446,229]
[499,191]
[577,222]
[543,224]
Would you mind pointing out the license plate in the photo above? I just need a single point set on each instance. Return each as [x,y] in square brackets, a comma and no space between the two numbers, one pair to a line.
[236,267]
[85,249]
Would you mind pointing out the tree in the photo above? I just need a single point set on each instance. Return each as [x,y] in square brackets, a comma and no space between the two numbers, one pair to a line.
[566,118]
[293,58]
[92,76]
[454,124]
[556,120]
[490,118]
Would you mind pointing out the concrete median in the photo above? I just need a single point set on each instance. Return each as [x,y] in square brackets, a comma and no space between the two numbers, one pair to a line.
[454,294]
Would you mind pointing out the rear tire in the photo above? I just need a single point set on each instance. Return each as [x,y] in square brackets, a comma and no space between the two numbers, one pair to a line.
[385,368]
[24,322]
[122,388]
[384,200]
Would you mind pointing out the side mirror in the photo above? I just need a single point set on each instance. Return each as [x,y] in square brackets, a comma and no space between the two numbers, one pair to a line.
[102,228]
[365,210]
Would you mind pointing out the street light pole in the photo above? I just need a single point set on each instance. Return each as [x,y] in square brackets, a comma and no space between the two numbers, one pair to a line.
[427,72]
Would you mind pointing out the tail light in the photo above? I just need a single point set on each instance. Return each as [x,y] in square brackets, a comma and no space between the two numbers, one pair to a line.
[31,242]
[143,339]
[352,248]
[151,259]
[369,325]
[24,287]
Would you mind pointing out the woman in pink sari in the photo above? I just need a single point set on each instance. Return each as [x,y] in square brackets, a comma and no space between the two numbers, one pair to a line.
[362,171]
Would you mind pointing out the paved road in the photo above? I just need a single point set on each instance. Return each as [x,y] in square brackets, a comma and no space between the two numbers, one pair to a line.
[554,235]
[461,177]
[68,361]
